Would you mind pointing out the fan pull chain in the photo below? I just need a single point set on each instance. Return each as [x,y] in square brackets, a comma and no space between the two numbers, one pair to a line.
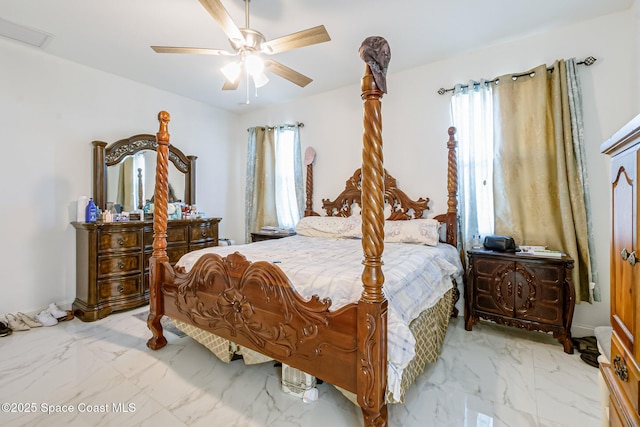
[247,91]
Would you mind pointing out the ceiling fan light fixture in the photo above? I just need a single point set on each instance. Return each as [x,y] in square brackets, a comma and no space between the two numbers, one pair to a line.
[232,71]
[260,79]
[254,65]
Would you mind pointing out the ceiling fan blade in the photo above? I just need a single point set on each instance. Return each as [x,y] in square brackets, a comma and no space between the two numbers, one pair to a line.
[231,85]
[222,17]
[192,50]
[302,38]
[286,73]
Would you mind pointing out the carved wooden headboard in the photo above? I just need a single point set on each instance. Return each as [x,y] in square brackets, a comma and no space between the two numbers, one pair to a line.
[402,207]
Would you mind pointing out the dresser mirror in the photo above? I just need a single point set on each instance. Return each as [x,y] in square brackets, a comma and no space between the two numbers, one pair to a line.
[124,173]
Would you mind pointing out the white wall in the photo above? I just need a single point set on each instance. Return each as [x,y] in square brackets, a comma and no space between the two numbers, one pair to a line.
[416,118]
[50,111]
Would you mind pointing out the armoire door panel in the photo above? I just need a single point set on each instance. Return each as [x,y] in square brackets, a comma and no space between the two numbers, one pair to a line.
[623,306]
[622,373]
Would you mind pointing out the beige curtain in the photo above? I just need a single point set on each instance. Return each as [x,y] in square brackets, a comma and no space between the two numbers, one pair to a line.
[538,195]
[126,180]
[261,188]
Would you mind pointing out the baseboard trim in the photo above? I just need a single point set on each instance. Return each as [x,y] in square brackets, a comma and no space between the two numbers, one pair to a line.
[582,330]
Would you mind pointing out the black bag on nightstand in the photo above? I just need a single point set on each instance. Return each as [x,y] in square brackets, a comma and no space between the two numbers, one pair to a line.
[499,243]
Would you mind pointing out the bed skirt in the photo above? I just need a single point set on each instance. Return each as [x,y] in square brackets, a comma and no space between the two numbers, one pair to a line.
[429,329]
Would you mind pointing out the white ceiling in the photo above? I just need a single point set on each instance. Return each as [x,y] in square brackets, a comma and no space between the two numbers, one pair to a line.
[115,35]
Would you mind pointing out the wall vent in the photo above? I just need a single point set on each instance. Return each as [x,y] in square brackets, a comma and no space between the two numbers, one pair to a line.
[23,34]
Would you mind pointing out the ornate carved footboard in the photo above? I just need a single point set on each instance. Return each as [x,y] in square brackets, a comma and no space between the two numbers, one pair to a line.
[254,305]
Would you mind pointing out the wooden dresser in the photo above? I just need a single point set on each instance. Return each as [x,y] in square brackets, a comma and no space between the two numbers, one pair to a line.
[525,291]
[622,375]
[112,261]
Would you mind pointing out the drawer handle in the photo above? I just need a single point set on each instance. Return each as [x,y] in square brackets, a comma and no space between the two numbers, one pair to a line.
[120,288]
[120,241]
[121,264]
[632,258]
[620,368]
[204,233]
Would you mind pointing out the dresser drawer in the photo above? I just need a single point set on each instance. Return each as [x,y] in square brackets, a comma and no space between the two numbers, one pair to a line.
[177,235]
[615,419]
[120,288]
[120,264]
[204,231]
[202,245]
[110,241]
[627,374]
[173,252]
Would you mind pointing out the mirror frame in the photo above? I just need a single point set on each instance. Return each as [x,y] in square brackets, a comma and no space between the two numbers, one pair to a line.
[108,155]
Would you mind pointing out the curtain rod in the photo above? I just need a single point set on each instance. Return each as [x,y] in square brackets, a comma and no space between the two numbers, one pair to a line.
[286,125]
[588,61]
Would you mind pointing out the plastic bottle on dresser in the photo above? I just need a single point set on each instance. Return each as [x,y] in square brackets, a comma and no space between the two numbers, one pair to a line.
[91,212]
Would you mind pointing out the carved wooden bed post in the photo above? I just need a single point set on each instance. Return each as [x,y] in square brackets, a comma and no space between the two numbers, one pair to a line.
[452,188]
[309,157]
[159,256]
[372,306]
[452,206]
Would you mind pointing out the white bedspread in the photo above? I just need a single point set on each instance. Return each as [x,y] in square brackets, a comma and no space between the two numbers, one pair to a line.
[416,277]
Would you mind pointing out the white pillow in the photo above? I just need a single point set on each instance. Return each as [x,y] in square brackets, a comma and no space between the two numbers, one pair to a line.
[422,231]
[322,226]
[353,229]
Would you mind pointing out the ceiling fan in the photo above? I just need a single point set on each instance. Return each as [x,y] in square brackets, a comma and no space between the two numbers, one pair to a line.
[249,45]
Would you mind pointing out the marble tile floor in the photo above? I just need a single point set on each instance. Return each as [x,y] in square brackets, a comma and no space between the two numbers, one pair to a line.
[103,371]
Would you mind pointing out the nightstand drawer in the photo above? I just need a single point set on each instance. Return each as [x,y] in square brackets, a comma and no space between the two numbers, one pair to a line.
[260,236]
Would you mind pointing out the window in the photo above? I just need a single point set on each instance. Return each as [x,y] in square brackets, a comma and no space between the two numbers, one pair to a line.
[274,178]
[472,115]
[287,206]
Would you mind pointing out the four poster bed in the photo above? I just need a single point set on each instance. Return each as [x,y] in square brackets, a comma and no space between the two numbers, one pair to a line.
[260,303]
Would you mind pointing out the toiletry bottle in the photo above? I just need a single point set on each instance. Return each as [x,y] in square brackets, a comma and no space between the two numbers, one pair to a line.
[91,212]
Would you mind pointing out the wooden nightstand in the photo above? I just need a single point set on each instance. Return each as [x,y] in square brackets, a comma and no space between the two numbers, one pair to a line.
[524,291]
[264,235]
